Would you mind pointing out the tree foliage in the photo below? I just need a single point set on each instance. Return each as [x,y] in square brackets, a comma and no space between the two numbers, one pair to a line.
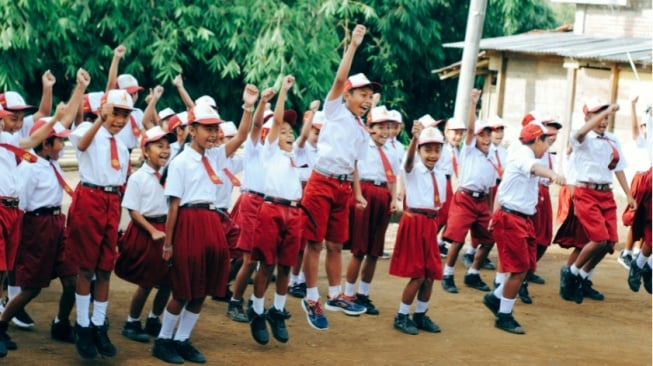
[219,46]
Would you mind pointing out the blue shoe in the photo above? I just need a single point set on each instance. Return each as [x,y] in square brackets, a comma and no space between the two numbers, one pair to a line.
[315,315]
[345,304]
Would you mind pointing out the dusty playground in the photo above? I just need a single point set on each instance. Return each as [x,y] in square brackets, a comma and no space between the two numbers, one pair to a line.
[616,331]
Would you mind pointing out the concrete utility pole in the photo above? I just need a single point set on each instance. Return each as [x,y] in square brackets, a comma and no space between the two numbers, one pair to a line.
[473,34]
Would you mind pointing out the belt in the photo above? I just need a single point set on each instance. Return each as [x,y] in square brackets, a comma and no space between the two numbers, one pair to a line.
[474,194]
[45,211]
[448,176]
[425,212]
[252,192]
[9,202]
[340,177]
[108,189]
[545,185]
[281,201]
[520,214]
[156,219]
[595,186]
[204,206]
[378,183]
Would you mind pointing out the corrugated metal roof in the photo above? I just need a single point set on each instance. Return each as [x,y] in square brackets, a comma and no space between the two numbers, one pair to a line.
[578,46]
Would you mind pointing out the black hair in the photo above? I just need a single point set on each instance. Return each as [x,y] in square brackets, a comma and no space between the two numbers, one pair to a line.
[164,174]
[541,138]
[49,141]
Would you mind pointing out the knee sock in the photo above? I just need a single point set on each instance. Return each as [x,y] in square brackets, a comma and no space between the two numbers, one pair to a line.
[187,322]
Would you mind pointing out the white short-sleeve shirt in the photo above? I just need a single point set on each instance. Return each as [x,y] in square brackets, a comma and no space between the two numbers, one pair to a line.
[253,172]
[126,135]
[420,192]
[95,161]
[476,170]
[518,189]
[9,181]
[39,185]
[305,159]
[593,156]
[371,168]
[281,178]
[145,194]
[234,166]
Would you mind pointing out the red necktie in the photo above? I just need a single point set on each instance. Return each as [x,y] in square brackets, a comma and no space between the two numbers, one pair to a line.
[436,192]
[135,130]
[454,160]
[496,168]
[550,162]
[20,153]
[61,181]
[615,153]
[500,171]
[214,177]
[115,161]
[389,174]
[234,180]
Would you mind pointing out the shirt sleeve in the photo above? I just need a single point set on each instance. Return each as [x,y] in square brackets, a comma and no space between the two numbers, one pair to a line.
[332,108]
[131,199]
[79,132]
[174,183]
[26,186]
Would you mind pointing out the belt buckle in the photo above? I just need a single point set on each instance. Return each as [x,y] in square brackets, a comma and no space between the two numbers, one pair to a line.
[294,203]
[212,207]
[377,182]
[107,189]
[476,194]
[56,212]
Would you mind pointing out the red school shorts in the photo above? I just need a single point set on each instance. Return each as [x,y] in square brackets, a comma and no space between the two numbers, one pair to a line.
[93,221]
[329,201]
[597,213]
[43,253]
[278,234]
[515,240]
[140,258]
[245,216]
[368,226]
[465,213]
[416,253]
[10,222]
[543,218]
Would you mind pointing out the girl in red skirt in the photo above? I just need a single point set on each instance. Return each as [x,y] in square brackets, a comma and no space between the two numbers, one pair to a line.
[195,245]
[140,260]
[416,254]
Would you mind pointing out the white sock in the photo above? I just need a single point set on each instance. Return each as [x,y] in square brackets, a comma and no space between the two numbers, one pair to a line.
[151,315]
[56,320]
[130,319]
[186,325]
[350,289]
[82,304]
[628,251]
[641,260]
[12,291]
[364,288]
[258,305]
[506,305]
[280,301]
[650,262]
[583,274]
[448,271]
[498,292]
[590,273]
[499,277]
[168,324]
[312,294]
[473,271]
[301,278]
[334,291]
[99,312]
[470,250]
[293,280]
[404,308]
[421,306]
[574,270]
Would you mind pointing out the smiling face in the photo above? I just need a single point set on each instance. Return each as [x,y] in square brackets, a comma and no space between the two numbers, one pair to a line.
[114,118]
[380,133]
[286,137]
[430,154]
[395,129]
[497,135]
[157,153]
[359,100]
[14,122]
[484,140]
[455,136]
[204,136]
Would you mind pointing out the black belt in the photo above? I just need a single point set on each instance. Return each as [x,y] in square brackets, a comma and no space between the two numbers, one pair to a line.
[253,192]
[517,213]
[282,201]
[378,183]
[595,186]
[431,214]
[340,177]
[204,206]
[475,194]
[108,189]
[9,202]
[448,176]
[45,211]
[156,219]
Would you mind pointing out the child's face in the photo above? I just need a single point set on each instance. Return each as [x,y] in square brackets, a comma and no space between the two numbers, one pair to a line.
[540,147]
[553,134]
[380,133]
[286,137]
[483,140]
[497,135]
[430,154]
[157,153]
[313,136]
[181,132]
[52,151]
[395,129]
[14,122]
[359,100]
[205,136]
[114,118]
[134,96]
[601,127]
[455,136]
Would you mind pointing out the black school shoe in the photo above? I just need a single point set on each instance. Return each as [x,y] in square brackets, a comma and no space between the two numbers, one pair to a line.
[84,342]
[258,326]
[523,293]
[474,280]
[62,331]
[365,301]
[492,302]
[166,350]
[508,323]
[189,353]
[102,341]
[404,324]
[153,326]
[567,284]
[277,320]
[590,292]
[134,331]
[449,285]
[5,339]
[423,322]
[298,290]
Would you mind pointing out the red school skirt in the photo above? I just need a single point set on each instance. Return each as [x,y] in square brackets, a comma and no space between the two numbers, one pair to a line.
[416,253]
[10,222]
[368,226]
[543,218]
[140,258]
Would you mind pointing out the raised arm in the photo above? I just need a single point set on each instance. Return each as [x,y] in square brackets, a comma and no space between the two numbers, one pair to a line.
[76,99]
[471,120]
[45,108]
[633,118]
[43,132]
[412,147]
[595,121]
[118,53]
[178,82]
[345,64]
[308,123]
[149,115]
[255,133]
[250,94]
[287,83]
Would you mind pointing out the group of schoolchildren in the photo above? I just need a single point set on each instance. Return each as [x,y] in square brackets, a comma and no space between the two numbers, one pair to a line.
[335,186]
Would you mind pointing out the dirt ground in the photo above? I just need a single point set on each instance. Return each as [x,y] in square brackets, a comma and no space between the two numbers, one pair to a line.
[616,331]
